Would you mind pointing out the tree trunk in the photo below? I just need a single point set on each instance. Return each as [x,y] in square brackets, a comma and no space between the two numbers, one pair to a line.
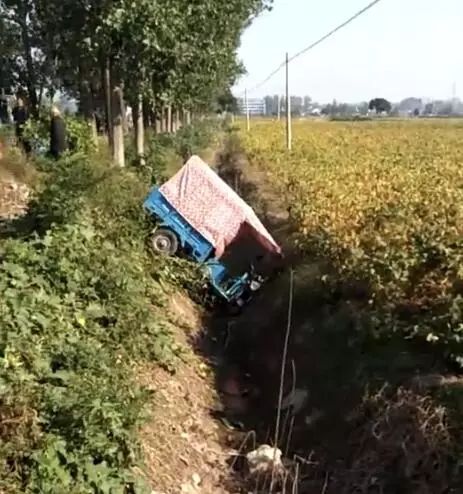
[152,111]
[169,119]
[86,106]
[163,119]
[178,120]
[139,129]
[117,127]
[146,113]
[39,101]
[30,70]
[187,117]
[125,123]
[157,122]
[173,122]
[106,85]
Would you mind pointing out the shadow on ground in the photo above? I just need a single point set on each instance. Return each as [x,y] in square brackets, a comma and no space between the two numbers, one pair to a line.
[357,423]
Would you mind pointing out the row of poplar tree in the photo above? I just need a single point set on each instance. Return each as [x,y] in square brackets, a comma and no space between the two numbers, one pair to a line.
[161,57]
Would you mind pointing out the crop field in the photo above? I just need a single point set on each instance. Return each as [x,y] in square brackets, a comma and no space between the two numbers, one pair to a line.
[382,202]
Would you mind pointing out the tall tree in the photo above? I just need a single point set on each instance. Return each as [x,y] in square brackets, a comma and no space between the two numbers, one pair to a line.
[380,105]
[20,17]
[171,54]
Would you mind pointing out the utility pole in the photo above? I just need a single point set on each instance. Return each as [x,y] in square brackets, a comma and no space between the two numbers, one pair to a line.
[248,120]
[289,136]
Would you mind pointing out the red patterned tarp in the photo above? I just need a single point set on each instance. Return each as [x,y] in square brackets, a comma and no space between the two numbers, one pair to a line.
[212,207]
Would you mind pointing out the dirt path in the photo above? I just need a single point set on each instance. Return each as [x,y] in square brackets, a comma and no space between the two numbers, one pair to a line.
[15,175]
[184,447]
[14,195]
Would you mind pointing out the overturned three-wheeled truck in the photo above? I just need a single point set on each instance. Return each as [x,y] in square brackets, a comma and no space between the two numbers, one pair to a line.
[198,214]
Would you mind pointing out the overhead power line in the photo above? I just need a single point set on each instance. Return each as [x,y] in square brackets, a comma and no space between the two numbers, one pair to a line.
[316,43]
[335,30]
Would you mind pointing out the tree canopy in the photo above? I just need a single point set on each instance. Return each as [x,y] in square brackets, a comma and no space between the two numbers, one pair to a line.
[380,105]
[172,52]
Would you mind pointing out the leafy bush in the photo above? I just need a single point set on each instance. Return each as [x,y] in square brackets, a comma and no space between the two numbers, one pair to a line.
[78,133]
[164,152]
[77,308]
[6,133]
[191,139]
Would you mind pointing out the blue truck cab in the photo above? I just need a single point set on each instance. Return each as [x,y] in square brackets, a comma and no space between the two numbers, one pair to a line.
[174,233]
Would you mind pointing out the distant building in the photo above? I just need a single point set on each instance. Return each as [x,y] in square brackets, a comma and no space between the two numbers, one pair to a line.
[256,106]
[272,104]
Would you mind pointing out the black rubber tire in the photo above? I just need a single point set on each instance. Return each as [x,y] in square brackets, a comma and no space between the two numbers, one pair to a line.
[164,242]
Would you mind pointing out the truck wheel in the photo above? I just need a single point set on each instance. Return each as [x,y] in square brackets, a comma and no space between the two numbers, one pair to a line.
[164,242]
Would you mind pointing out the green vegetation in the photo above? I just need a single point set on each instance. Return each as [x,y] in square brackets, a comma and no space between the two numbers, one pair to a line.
[78,133]
[165,59]
[81,302]
[80,293]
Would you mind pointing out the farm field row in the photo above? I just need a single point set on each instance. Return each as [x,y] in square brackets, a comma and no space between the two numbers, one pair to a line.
[382,202]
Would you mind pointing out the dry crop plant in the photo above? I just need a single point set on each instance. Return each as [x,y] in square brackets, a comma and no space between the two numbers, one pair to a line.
[384,203]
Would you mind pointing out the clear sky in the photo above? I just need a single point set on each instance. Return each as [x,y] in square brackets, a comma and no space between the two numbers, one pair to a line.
[397,49]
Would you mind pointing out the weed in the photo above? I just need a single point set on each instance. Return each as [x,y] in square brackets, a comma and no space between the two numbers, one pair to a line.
[78,307]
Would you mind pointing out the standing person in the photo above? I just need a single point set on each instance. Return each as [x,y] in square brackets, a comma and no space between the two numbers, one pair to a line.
[57,134]
[20,117]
